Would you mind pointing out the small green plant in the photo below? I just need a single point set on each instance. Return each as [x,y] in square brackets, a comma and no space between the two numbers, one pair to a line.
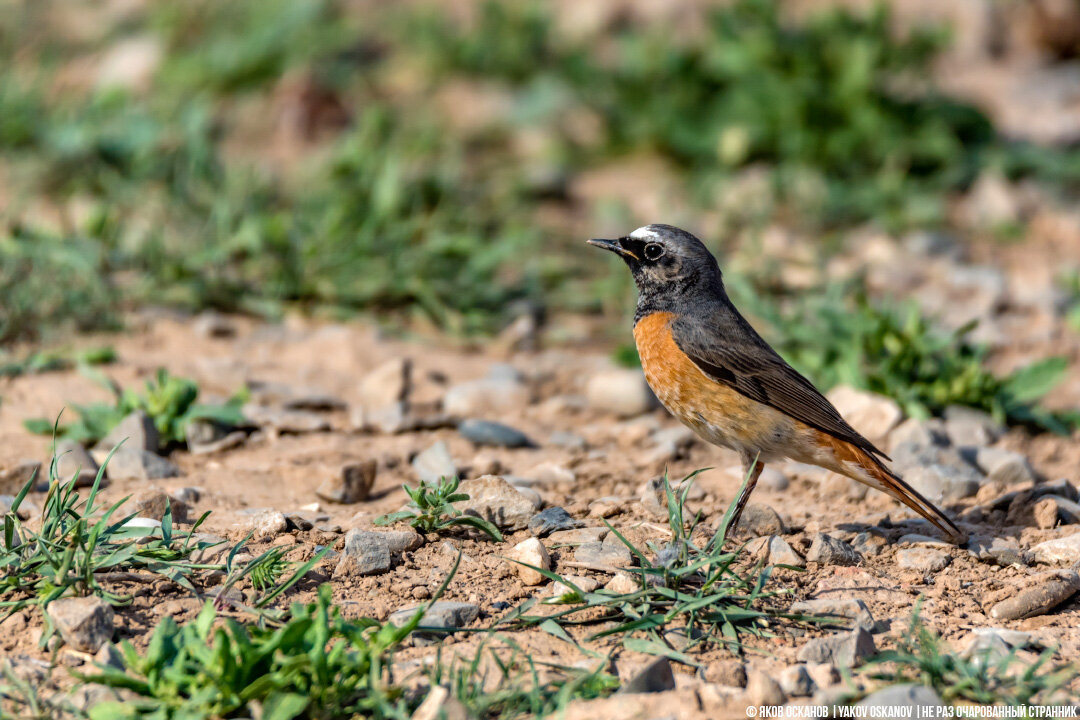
[431,510]
[316,665]
[491,686]
[42,362]
[312,664]
[77,540]
[986,676]
[690,586]
[171,402]
[270,574]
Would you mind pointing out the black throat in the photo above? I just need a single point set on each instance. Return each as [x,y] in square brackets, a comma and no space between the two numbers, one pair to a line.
[688,290]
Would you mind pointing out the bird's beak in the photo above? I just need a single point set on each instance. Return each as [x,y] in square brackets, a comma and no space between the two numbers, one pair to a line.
[614,246]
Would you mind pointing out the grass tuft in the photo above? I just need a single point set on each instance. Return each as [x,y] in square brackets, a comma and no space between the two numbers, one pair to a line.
[985,677]
[697,588]
[170,402]
[77,540]
[431,510]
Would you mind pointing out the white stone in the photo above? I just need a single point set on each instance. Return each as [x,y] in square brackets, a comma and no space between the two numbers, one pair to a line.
[1060,550]
[624,393]
[530,552]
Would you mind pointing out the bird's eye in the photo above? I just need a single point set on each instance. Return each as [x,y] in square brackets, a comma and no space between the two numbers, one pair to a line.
[654,251]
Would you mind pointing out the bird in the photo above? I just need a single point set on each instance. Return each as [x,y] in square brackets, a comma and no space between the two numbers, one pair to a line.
[711,369]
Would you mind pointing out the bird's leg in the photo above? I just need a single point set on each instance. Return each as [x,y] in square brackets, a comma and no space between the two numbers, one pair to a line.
[752,468]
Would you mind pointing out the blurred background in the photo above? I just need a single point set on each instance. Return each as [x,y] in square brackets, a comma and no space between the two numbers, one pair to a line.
[891,188]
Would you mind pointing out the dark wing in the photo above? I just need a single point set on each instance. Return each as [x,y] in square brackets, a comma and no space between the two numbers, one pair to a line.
[729,350]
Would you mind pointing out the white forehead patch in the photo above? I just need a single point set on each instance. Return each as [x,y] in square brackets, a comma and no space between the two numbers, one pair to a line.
[644,233]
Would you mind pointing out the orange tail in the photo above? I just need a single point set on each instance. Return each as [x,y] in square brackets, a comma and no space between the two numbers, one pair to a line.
[894,485]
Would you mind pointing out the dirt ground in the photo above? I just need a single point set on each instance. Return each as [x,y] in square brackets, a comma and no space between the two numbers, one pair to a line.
[606,457]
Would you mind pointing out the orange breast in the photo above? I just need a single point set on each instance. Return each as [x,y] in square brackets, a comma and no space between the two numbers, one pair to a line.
[715,411]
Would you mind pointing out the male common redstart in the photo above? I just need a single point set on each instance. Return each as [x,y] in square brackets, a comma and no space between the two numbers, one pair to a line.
[713,372]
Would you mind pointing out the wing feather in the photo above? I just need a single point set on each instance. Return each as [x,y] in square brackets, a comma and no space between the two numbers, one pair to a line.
[731,352]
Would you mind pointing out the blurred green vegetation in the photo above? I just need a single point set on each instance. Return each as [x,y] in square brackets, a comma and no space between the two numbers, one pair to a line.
[303,155]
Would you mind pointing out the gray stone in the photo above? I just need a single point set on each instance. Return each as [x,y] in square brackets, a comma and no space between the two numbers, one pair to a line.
[1059,550]
[88,695]
[351,484]
[760,521]
[136,431]
[485,396]
[603,554]
[908,456]
[657,676]
[905,695]
[291,397]
[842,650]
[15,477]
[918,539]
[624,393]
[731,673]
[578,536]
[824,675]
[915,433]
[434,463]
[398,418]
[388,384]
[849,608]
[763,690]
[679,437]
[781,553]
[233,440]
[922,559]
[109,656]
[968,426]
[292,422]
[1064,509]
[206,436]
[943,483]
[796,682]
[548,473]
[139,464]
[71,460]
[1061,487]
[497,501]
[567,440]
[504,371]
[552,519]
[1047,591]
[395,541]
[485,432]
[152,503]
[828,550]
[993,640]
[443,614]
[773,480]
[268,524]
[1000,550]
[869,544]
[871,414]
[84,623]
[1012,471]
[365,553]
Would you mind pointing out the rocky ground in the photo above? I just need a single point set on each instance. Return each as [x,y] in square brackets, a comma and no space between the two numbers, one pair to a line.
[342,415]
